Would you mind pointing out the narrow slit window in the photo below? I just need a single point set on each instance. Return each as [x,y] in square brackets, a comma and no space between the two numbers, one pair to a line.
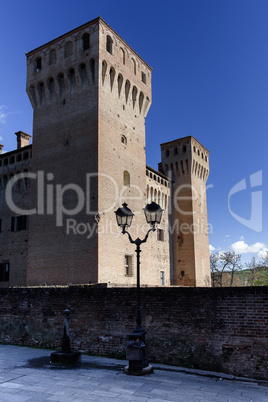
[126,178]
[128,265]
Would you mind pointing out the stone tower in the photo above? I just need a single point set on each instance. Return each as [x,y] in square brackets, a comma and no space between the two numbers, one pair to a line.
[186,162]
[90,93]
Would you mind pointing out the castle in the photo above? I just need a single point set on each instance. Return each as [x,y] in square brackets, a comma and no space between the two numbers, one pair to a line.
[90,93]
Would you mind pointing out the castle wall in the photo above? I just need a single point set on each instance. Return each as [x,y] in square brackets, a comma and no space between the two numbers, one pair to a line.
[158,190]
[64,93]
[124,102]
[214,329]
[14,238]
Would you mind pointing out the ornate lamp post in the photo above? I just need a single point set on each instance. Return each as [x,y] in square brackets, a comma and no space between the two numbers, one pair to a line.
[138,364]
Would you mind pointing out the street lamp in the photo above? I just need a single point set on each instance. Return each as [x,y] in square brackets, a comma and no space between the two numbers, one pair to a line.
[136,345]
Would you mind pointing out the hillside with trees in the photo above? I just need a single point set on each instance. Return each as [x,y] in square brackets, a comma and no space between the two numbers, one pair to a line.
[227,270]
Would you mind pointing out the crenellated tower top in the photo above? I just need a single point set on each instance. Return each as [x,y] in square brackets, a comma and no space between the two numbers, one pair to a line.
[90,55]
[185,156]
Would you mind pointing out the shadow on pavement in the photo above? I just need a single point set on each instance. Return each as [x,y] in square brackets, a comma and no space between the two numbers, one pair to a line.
[44,363]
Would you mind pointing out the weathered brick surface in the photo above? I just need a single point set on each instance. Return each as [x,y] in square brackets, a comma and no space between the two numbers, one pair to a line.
[214,329]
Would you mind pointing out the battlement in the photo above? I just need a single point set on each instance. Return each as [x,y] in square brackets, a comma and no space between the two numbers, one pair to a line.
[93,54]
[14,162]
[185,156]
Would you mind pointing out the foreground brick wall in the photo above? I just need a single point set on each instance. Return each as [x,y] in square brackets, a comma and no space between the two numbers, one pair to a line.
[214,329]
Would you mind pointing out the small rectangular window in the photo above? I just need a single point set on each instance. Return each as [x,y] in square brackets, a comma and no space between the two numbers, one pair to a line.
[162,277]
[19,223]
[143,77]
[128,265]
[4,271]
[160,234]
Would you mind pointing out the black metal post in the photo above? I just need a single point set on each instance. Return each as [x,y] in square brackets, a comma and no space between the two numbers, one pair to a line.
[138,308]
[138,363]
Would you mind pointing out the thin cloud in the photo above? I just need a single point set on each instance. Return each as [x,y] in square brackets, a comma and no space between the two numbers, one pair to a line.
[4,114]
[212,249]
[241,247]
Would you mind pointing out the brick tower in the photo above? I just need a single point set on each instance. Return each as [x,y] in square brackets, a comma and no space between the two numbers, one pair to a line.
[186,161]
[90,93]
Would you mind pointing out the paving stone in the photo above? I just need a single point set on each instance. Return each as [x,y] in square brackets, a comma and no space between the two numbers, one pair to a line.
[21,381]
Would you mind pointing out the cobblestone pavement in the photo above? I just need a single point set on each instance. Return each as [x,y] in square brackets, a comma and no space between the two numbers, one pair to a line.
[26,375]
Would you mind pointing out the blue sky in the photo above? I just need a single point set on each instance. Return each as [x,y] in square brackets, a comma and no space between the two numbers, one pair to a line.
[210,80]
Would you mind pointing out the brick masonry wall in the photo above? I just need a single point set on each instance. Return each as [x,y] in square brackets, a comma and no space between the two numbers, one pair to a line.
[214,329]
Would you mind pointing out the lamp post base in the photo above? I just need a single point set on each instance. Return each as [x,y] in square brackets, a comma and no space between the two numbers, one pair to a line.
[142,371]
[138,364]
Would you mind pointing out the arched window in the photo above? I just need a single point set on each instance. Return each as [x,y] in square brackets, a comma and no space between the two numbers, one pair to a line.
[85,41]
[5,161]
[123,57]
[12,159]
[52,57]
[134,66]
[18,159]
[109,44]
[126,178]
[124,139]
[68,49]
